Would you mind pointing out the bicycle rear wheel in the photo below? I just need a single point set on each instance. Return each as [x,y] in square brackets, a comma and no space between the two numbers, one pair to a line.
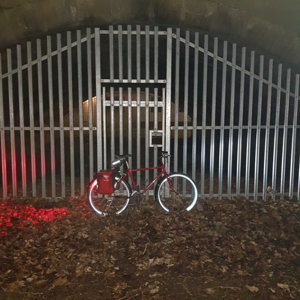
[110,204]
[177,192]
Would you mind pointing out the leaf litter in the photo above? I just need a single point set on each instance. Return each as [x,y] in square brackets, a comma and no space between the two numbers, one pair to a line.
[224,248]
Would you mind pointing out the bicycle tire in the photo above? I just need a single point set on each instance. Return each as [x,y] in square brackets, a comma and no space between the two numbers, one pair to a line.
[176,192]
[110,204]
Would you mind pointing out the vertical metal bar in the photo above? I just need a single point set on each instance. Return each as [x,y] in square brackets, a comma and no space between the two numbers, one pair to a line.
[129,66]
[51,117]
[285,132]
[120,120]
[129,53]
[31,120]
[155,53]
[258,126]
[138,98]
[112,122]
[111,53]
[130,124]
[61,117]
[90,101]
[112,110]
[195,106]
[147,55]
[204,99]
[213,118]
[98,96]
[232,103]
[2,138]
[276,133]
[267,138]
[167,114]
[120,47]
[163,95]
[249,133]
[21,115]
[80,114]
[12,124]
[294,137]
[138,53]
[41,118]
[240,134]
[147,133]
[155,79]
[138,144]
[104,128]
[155,120]
[221,150]
[70,92]
[176,108]
[186,98]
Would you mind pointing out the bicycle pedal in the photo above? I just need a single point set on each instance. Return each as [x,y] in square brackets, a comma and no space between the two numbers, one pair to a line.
[135,196]
[138,200]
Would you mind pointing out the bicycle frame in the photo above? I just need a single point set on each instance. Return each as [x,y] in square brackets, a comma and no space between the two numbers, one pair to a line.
[129,172]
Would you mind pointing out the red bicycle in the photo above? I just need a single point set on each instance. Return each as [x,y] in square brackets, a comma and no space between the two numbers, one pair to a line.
[110,192]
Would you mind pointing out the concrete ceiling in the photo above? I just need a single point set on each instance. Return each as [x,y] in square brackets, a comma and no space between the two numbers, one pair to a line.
[271,27]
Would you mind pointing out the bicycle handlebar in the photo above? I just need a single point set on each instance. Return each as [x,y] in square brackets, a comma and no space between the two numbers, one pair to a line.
[163,156]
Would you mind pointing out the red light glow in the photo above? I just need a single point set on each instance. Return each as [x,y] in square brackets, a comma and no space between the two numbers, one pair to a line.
[19,216]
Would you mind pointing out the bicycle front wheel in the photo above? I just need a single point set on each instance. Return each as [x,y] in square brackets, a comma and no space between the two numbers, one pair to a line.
[109,204]
[177,192]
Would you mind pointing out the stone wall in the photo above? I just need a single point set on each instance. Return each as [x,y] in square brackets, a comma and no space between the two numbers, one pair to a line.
[270,26]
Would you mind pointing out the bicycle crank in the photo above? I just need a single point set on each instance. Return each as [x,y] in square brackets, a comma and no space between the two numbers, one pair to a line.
[138,197]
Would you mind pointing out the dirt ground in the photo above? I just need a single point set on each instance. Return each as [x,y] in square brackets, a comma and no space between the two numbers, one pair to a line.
[223,249]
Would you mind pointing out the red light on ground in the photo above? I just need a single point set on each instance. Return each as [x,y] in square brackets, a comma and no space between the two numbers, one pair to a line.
[19,216]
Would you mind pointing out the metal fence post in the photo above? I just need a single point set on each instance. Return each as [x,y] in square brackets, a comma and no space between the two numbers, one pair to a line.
[98,99]
[168,89]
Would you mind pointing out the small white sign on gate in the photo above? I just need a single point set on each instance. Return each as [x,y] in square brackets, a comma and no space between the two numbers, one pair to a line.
[156,138]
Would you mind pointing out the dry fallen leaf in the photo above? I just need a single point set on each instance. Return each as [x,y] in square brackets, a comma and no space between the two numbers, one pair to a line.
[50,270]
[154,290]
[210,291]
[252,289]
[60,281]
[224,269]
[13,286]
[40,282]
[284,286]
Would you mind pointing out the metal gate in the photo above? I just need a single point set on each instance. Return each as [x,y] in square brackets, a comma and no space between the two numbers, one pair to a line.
[70,102]
[133,114]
